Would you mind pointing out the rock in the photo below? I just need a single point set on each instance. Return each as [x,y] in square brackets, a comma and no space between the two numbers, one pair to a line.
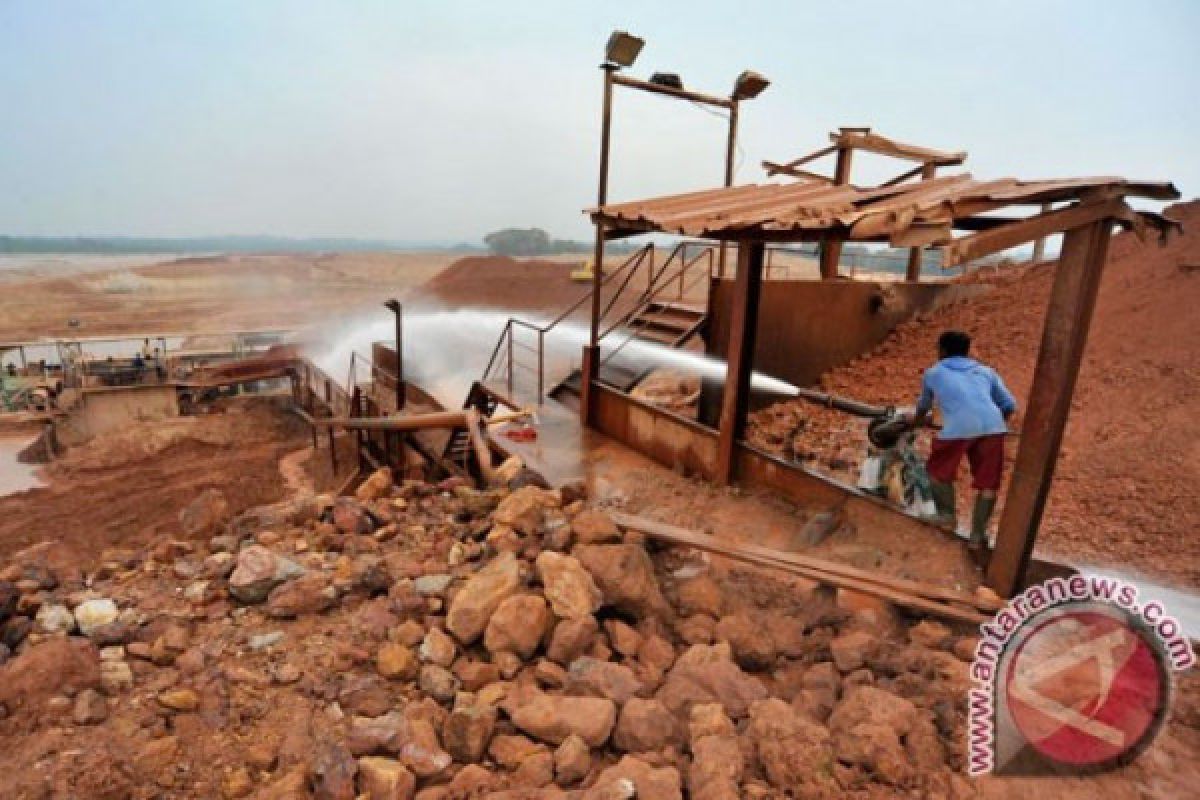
[709,719]
[706,674]
[700,594]
[54,619]
[438,682]
[571,639]
[397,662]
[964,648]
[376,486]
[349,516]
[236,783]
[794,751]
[433,585]
[385,779]
[96,613]
[467,733]
[115,677]
[550,674]
[751,642]
[588,675]
[414,741]
[567,585]
[649,783]
[553,718]
[475,675]
[594,527]
[572,761]
[645,725]
[308,594]
[622,638]
[334,770]
[204,515]
[263,641]
[472,607]
[90,708]
[438,648]
[696,629]
[517,625]
[179,700]
[523,509]
[717,761]
[258,571]
[626,578]
[48,668]
[534,772]
[869,727]
[851,650]
[509,750]
[931,634]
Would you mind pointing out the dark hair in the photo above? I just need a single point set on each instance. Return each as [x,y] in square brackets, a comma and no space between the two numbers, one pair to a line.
[954,343]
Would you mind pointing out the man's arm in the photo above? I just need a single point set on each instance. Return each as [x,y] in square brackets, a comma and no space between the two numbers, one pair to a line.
[1002,397]
[924,403]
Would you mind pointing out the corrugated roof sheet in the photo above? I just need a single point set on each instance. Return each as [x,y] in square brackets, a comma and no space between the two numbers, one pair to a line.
[805,210]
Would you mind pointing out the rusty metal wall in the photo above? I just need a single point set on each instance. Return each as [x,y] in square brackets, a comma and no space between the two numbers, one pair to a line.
[806,328]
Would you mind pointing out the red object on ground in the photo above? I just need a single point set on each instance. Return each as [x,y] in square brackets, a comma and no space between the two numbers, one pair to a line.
[985,454]
[525,434]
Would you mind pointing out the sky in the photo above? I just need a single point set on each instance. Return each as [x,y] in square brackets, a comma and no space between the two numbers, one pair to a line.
[441,121]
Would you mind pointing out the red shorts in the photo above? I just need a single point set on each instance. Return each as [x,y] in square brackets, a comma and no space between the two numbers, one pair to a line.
[985,454]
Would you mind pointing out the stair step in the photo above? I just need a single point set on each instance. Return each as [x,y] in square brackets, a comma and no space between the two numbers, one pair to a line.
[669,320]
[657,336]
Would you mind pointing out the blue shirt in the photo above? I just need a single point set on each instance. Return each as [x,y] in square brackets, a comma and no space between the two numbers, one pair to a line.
[971,396]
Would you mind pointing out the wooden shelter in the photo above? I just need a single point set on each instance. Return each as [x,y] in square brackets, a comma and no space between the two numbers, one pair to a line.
[965,218]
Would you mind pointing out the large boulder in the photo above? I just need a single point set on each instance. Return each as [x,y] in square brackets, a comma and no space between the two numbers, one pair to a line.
[517,625]
[706,674]
[258,571]
[552,718]
[472,607]
[626,578]
[649,783]
[794,751]
[59,665]
[569,587]
[645,725]
[524,509]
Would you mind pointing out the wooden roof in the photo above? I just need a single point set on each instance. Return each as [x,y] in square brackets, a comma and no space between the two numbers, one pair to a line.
[925,213]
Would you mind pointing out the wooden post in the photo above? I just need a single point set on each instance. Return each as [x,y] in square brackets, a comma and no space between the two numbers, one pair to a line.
[1039,247]
[1068,316]
[590,366]
[913,273]
[831,249]
[739,360]
[589,370]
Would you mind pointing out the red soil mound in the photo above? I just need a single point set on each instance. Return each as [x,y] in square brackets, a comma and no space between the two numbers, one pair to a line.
[502,282]
[1125,487]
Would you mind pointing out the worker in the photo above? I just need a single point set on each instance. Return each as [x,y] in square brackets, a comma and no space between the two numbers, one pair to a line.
[975,406]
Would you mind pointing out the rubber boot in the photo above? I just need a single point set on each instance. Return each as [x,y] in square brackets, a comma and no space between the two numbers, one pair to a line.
[980,514]
[944,502]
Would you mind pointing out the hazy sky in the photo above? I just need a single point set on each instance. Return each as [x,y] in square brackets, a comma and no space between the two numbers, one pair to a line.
[444,120]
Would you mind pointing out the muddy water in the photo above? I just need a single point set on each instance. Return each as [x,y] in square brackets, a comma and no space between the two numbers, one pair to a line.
[15,476]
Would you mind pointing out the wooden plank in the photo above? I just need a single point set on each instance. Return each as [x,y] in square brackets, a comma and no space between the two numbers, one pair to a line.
[831,249]
[1068,317]
[873,142]
[695,538]
[483,453]
[876,585]
[985,243]
[773,168]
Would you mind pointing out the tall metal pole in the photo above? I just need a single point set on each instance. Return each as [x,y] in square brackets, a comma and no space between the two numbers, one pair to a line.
[591,360]
[730,151]
[398,310]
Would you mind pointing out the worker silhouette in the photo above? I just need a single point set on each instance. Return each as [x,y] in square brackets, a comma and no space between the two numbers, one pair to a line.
[975,406]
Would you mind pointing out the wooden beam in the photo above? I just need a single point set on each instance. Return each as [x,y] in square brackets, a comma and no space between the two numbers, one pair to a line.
[903,176]
[739,360]
[408,422]
[909,594]
[786,169]
[874,143]
[1068,317]
[969,248]
[479,442]
[671,91]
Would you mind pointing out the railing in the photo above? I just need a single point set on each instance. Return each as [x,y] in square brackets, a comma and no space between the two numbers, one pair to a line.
[520,338]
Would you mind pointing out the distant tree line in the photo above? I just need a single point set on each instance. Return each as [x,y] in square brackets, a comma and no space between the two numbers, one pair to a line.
[526,242]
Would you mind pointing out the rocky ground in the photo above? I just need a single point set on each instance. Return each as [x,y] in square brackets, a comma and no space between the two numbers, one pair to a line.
[444,642]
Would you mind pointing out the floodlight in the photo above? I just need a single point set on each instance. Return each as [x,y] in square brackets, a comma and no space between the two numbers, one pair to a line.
[623,48]
[669,79]
[749,85]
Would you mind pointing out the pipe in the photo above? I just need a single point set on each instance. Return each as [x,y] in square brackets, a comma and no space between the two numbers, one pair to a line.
[411,422]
